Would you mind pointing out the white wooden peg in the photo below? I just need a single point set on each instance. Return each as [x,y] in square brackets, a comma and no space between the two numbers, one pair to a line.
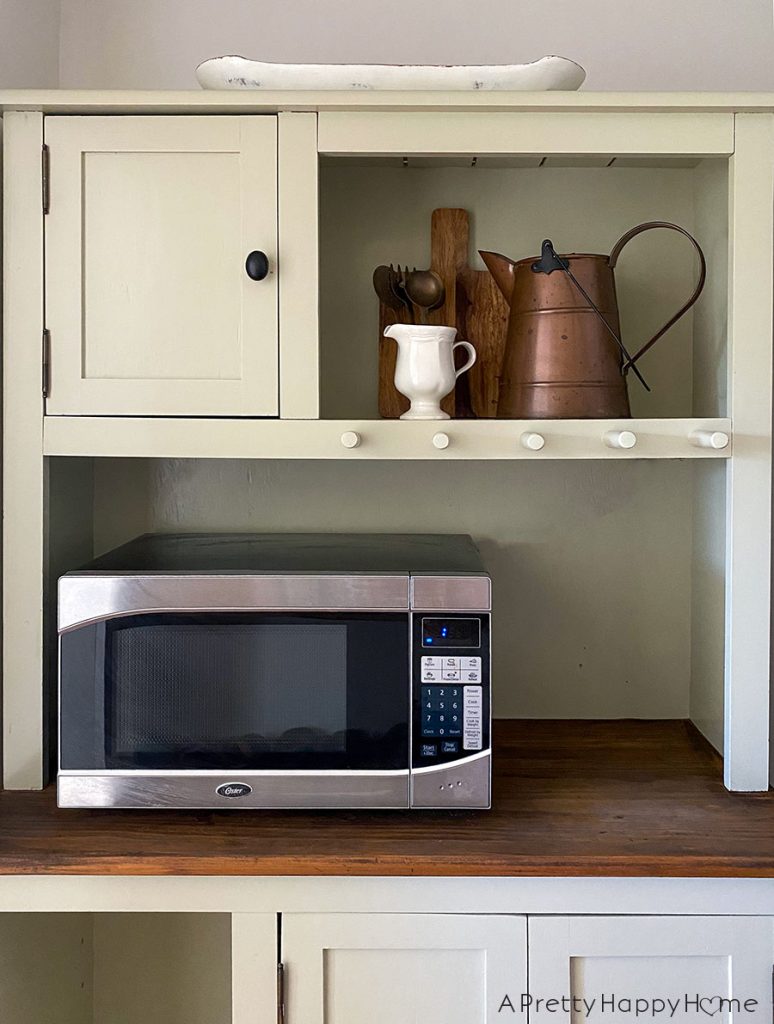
[620,439]
[441,440]
[531,441]
[709,439]
[350,439]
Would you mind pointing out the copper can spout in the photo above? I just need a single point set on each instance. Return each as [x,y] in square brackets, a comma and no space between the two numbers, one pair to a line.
[502,269]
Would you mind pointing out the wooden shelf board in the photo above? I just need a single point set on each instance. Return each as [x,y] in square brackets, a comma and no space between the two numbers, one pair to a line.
[164,437]
[626,798]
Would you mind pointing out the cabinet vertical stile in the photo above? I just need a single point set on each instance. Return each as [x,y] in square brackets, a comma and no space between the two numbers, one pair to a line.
[748,475]
[254,961]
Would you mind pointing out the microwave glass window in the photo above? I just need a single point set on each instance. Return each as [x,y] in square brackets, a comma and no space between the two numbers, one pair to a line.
[232,690]
[199,688]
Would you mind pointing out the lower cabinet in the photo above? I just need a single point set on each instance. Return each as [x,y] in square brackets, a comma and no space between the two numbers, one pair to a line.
[372,968]
[401,968]
[614,970]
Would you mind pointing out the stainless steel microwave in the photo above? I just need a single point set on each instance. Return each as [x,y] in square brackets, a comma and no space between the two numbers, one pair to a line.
[281,670]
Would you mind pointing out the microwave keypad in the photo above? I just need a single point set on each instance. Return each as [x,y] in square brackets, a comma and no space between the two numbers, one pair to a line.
[451,696]
[454,711]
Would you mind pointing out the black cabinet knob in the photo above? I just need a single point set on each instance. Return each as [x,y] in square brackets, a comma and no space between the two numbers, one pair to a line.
[257,265]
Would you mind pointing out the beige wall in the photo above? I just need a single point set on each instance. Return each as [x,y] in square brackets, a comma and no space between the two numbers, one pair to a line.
[625,44]
[590,561]
[29,44]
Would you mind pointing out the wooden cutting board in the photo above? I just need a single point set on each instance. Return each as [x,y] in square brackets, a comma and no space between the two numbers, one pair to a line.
[473,305]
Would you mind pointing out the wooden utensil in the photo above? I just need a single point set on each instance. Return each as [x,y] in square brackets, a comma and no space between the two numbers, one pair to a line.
[425,289]
[383,276]
[473,304]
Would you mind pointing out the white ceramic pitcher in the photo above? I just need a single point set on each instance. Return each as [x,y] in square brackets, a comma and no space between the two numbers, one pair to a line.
[425,371]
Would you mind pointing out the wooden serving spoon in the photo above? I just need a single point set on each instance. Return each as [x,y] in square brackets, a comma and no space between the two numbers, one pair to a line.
[383,286]
[425,289]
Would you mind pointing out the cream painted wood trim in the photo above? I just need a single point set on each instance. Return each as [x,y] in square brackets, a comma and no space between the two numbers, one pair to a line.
[488,134]
[378,439]
[748,481]
[73,101]
[419,895]
[298,277]
[254,968]
[23,466]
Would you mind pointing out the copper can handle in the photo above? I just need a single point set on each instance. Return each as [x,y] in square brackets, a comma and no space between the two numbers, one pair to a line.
[613,259]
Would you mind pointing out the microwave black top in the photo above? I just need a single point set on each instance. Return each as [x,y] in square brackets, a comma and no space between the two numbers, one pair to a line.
[217,553]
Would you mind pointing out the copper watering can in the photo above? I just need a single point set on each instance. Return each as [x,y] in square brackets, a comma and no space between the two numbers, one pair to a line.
[564,356]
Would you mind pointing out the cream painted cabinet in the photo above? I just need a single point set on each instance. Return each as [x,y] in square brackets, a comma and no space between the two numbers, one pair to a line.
[401,968]
[148,302]
[682,969]
[220,967]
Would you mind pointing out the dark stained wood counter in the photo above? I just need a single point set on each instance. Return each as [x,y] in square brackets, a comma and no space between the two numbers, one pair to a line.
[570,798]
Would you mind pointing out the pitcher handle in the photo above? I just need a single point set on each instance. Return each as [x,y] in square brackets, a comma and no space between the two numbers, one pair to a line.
[472,356]
[613,259]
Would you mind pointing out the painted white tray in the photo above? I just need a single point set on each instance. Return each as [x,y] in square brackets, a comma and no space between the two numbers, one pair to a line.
[241,73]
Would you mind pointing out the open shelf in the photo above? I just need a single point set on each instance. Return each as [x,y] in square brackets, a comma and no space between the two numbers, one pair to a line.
[377,209]
[570,798]
[377,439]
[607,576]
[125,968]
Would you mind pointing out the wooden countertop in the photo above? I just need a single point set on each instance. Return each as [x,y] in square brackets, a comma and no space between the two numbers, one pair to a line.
[570,798]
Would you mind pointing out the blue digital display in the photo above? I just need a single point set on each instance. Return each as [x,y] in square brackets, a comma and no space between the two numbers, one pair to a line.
[451,632]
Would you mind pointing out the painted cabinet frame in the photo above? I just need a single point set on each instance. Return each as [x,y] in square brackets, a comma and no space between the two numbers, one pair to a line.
[746,139]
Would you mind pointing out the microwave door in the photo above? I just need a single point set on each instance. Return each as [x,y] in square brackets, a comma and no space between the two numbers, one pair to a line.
[224,709]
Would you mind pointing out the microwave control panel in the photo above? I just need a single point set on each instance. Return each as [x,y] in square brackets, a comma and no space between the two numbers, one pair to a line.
[451,686]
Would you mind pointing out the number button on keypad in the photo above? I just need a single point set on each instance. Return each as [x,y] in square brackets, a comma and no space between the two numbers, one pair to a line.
[441,710]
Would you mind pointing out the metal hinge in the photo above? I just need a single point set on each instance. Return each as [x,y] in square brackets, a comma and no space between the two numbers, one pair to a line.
[280,994]
[46,362]
[46,178]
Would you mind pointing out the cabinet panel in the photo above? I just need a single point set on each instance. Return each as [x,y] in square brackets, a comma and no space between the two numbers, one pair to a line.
[679,969]
[517,133]
[162,968]
[399,969]
[46,969]
[147,299]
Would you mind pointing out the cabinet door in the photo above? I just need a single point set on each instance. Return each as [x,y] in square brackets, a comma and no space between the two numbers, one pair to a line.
[150,308]
[699,963]
[400,968]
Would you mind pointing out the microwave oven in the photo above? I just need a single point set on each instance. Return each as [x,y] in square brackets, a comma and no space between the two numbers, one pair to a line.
[276,671]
